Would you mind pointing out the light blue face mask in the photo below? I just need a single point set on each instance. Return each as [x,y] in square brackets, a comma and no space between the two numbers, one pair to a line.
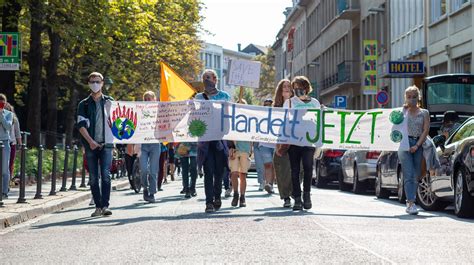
[412,101]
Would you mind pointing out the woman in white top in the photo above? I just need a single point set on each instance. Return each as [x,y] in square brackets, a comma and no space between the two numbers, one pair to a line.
[301,154]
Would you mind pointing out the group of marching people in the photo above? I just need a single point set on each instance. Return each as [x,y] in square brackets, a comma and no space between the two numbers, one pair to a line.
[220,160]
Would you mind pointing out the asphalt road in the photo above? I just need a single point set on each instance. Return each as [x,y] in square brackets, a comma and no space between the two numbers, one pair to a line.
[341,228]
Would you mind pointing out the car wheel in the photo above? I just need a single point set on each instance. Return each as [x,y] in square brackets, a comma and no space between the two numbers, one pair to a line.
[342,185]
[427,198]
[463,201]
[401,187]
[319,182]
[357,186]
[380,192]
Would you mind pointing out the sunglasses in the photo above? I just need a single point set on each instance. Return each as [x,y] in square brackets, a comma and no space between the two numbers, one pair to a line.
[95,82]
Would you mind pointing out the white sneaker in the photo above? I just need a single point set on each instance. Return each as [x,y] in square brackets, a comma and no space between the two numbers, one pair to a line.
[227,193]
[411,209]
[91,203]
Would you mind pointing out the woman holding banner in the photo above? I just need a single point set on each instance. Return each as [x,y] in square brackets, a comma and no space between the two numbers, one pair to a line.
[301,154]
[281,160]
[418,121]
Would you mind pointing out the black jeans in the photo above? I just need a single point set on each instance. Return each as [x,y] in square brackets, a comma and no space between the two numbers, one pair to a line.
[297,155]
[213,171]
[189,170]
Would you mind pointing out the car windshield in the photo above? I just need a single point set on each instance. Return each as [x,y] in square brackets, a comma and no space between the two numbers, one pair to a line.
[449,93]
[465,131]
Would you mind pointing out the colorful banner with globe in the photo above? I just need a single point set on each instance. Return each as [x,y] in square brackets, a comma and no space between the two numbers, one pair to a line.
[196,120]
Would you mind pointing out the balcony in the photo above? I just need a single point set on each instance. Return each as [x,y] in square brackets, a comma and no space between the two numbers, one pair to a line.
[348,9]
[347,75]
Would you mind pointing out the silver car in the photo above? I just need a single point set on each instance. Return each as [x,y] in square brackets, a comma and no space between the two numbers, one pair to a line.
[358,170]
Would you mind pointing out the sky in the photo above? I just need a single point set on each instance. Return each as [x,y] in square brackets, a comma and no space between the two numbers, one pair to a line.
[243,21]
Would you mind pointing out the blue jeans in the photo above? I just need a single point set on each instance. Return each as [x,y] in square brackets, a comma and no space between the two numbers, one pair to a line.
[189,167]
[100,158]
[259,164]
[411,169]
[149,163]
[6,166]
[214,165]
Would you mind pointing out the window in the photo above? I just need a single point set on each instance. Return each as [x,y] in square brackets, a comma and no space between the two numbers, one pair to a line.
[217,62]
[465,131]
[438,9]
[457,4]
[463,64]
[439,69]
[208,60]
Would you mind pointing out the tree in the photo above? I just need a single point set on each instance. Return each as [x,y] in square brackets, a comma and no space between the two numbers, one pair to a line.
[267,75]
[248,96]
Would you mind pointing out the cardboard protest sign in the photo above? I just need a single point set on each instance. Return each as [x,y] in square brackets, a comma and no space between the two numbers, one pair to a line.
[244,73]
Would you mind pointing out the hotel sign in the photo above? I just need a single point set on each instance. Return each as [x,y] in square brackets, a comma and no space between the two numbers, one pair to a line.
[405,68]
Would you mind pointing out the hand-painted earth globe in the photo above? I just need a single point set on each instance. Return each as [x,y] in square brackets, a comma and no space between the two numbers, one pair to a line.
[396,117]
[123,128]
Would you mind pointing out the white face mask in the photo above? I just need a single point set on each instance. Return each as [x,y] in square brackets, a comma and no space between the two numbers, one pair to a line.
[95,87]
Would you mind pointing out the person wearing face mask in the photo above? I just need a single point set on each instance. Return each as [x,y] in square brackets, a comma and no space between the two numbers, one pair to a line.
[91,122]
[450,123]
[212,155]
[301,154]
[418,121]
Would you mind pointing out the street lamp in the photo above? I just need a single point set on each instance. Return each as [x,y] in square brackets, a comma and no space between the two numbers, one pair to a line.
[108,82]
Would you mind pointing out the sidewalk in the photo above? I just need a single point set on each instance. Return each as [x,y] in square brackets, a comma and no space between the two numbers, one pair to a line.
[13,213]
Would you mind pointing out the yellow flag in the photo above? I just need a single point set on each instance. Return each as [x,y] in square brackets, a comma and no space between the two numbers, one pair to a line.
[173,87]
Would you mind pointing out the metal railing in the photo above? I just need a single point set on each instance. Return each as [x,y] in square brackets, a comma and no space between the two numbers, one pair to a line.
[346,72]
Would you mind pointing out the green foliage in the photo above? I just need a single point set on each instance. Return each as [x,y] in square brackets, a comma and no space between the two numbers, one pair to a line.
[248,96]
[267,75]
[31,165]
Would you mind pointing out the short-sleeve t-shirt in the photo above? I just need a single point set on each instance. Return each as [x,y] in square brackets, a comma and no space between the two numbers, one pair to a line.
[221,95]
[297,103]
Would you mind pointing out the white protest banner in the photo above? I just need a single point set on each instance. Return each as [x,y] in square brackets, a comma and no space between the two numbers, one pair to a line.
[244,73]
[196,120]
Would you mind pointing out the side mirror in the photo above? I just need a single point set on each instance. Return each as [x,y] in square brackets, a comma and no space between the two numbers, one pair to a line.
[439,141]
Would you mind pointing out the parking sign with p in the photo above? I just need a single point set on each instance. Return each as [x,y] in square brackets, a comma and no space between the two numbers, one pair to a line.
[340,102]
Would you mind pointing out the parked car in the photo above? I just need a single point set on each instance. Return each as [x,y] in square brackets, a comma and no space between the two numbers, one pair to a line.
[327,167]
[389,176]
[358,170]
[453,182]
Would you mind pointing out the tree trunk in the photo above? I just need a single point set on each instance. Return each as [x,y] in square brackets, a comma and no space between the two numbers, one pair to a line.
[35,62]
[11,13]
[52,86]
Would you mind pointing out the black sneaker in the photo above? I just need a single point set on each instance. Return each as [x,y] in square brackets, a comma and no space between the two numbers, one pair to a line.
[298,206]
[188,195]
[287,203]
[217,203]
[307,201]
[235,200]
[183,191]
[151,198]
[145,194]
[242,201]
[193,193]
[210,208]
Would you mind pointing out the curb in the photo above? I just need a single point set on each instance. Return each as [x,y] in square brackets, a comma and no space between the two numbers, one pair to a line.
[51,207]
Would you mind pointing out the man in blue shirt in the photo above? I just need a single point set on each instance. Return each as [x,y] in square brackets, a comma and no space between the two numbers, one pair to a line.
[213,155]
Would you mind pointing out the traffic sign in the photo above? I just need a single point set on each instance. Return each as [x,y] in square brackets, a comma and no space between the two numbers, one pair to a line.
[340,102]
[382,97]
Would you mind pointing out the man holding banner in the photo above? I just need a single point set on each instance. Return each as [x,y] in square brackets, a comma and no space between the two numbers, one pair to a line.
[212,155]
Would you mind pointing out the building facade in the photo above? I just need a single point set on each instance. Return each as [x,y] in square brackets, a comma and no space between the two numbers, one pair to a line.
[450,36]
[212,57]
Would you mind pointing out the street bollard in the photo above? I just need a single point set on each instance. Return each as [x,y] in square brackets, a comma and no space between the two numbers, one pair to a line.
[66,161]
[39,178]
[83,174]
[55,169]
[21,198]
[1,173]
[74,167]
